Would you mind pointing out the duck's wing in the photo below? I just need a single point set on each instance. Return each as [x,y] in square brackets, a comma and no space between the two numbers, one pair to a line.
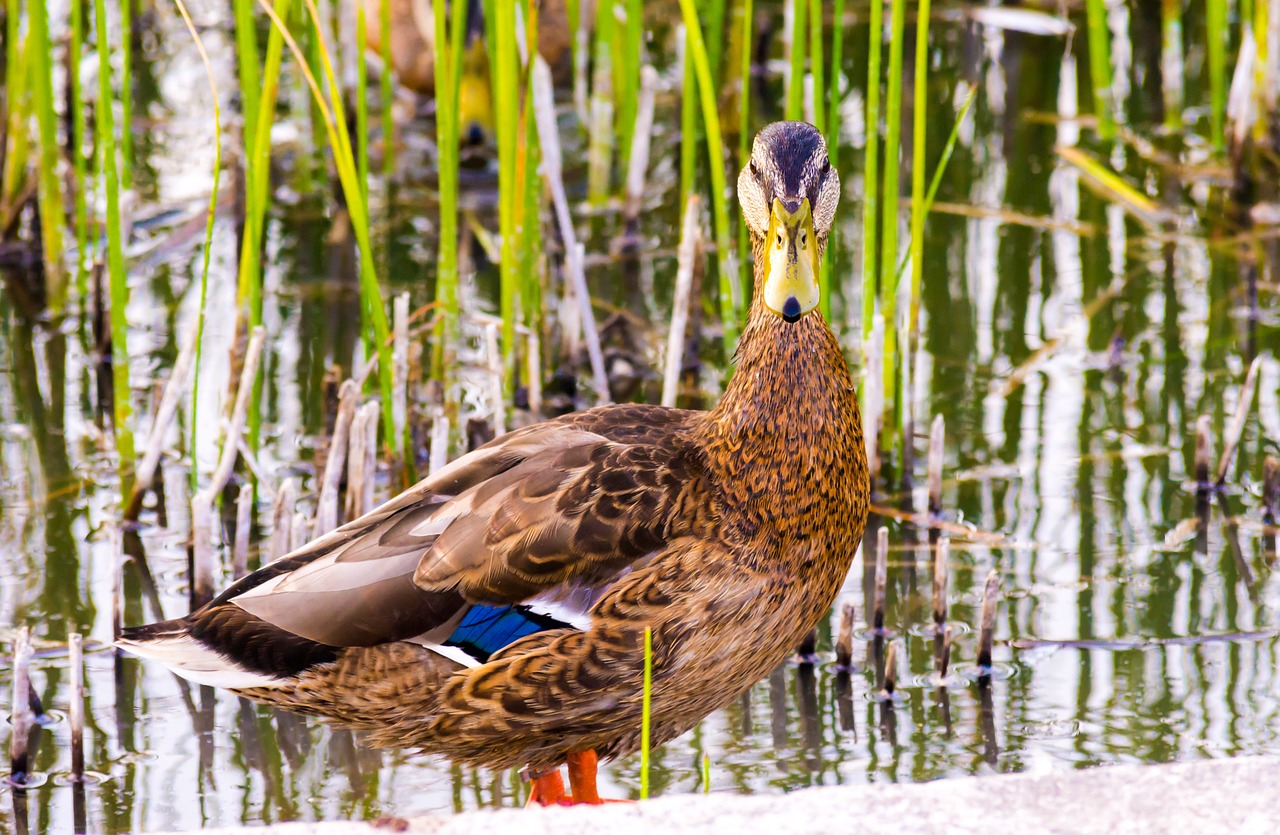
[544,519]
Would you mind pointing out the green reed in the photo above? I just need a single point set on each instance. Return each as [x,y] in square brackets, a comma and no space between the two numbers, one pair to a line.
[362,106]
[49,185]
[744,138]
[192,446]
[387,89]
[1100,66]
[601,108]
[122,408]
[919,133]
[247,63]
[730,305]
[628,77]
[1216,32]
[506,101]
[817,70]
[257,183]
[1171,49]
[529,199]
[712,11]
[688,124]
[795,81]
[339,136]
[448,57]
[831,127]
[126,94]
[646,708]
[889,208]
[871,172]
[79,130]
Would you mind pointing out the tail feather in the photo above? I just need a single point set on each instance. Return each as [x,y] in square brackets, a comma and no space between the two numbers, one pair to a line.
[171,644]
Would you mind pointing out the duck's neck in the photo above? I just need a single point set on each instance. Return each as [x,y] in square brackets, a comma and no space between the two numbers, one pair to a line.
[787,427]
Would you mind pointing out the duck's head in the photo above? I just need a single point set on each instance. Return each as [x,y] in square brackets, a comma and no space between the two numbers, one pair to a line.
[788,193]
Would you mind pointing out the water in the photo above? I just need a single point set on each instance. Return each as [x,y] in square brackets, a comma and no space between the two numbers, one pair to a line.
[1069,350]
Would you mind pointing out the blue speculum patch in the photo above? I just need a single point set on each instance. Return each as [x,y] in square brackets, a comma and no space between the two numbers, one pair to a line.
[486,629]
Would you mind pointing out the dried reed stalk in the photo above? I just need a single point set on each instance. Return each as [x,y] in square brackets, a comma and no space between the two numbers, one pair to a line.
[75,712]
[844,639]
[169,400]
[244,520]
[22,719]
[934,478]
[638,165]
[940,567]
[882,578]
[282,518]
[327,508]
[687,255]
[1231,439]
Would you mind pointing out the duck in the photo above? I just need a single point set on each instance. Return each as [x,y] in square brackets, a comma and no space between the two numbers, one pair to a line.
[412,47]
[498,612]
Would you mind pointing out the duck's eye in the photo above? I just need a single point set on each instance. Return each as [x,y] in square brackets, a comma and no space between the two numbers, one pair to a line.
[755,172]
[804,239]
[781,242]
[826,167]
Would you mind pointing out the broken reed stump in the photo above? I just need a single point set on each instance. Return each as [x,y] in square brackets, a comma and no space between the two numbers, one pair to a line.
[881,580]
[940,567]
[942,651]
[328,512]
[891,669]
[844,639]
[934,474]
[244,521]
[1204,443]
[75,711]
[22,717]
[808,649]
[987,627]
[1231,439]
[282,518]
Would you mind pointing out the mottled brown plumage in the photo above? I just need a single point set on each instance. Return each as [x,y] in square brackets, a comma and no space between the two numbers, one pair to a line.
[728,533]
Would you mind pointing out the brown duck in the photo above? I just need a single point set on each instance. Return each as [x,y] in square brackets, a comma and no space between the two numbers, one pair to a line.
[495,612]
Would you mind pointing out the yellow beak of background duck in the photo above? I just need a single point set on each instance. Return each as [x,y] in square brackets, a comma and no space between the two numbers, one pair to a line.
[791,280]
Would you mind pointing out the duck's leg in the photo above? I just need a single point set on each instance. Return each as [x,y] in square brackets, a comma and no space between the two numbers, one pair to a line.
[582,778]
[548,790]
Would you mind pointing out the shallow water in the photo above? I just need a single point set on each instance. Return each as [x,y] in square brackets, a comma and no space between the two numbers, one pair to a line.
[1069,346]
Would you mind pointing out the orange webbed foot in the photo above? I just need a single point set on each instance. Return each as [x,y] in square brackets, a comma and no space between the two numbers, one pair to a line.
[548,789]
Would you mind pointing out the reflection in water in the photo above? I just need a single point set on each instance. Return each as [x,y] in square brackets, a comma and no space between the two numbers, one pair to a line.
[1069,348]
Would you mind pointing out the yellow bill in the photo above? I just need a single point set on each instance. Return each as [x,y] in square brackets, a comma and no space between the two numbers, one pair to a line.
[791,280]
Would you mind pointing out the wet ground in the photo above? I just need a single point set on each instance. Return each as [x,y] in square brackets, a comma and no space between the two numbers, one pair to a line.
[1069,343]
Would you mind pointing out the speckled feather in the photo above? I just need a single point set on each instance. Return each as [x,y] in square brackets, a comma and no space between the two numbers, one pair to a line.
[727,532]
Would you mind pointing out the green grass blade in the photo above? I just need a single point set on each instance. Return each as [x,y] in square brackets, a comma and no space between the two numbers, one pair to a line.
[447,144]
[730,304]
[52,215]
[123,409]
[506,119]
[388,92]
[126,93]
[646,713]
[871,171]
[336,130]
[1100,65]
[1216,32]
[79,130]
[919,126]
[362,106]
[889,208]
[816,69]
[247,62]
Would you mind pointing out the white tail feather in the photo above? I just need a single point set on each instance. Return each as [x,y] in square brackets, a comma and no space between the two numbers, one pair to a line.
[196,662]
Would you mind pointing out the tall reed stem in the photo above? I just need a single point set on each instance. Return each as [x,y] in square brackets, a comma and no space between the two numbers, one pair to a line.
[871,171]
[1100,66]
[123,409]
[52,215]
